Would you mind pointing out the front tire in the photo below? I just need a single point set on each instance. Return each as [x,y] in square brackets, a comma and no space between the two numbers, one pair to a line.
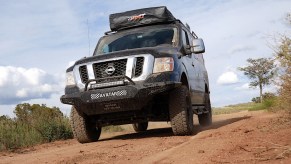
[180,109]
[140,127]
[205,119]
[84,130]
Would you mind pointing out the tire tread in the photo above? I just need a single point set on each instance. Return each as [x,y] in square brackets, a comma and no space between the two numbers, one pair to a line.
[83,131]
[181,125]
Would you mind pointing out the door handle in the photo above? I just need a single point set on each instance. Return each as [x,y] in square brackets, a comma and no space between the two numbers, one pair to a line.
[193,64]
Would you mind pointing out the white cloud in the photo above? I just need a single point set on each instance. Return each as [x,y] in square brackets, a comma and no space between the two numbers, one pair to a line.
[21,93]
[3,76]
[227,78]
[19,84]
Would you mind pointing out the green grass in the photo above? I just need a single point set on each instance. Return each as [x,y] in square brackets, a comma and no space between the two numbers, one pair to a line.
[266,105]
[251,106]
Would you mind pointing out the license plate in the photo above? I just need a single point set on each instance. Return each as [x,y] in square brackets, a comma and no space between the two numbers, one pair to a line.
[111,106]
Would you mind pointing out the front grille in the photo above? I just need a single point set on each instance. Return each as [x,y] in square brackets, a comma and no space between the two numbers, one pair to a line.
[138,66]
[111,69]
[83,73]
[119,65]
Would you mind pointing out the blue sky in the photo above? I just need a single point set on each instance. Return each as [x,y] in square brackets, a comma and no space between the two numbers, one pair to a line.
[40,39]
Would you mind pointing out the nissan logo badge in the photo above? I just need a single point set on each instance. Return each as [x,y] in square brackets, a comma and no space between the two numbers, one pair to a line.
[110,70]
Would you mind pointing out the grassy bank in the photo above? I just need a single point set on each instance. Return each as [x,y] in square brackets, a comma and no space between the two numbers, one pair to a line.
[268,104]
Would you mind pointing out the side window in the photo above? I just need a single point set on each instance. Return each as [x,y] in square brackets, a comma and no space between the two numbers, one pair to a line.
[185,38]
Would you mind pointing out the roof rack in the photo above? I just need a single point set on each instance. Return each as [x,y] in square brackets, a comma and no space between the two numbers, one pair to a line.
[140,17]
[195,36]
[187,26]
[126,28]
[109,32]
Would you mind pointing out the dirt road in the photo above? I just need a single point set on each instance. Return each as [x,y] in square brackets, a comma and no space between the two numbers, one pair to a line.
[245,137]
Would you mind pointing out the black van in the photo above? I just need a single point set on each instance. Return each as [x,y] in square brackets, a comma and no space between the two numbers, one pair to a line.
[149,67]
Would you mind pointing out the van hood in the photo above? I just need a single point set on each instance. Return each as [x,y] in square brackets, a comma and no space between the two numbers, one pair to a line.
[155,51]
[159,51]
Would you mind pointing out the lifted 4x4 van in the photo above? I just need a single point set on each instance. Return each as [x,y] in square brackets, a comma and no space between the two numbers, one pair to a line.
[149,67]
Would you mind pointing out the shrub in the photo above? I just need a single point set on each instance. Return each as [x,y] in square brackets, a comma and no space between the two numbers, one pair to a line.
[267,95]
[56,130]
[14,135]
[267,104]
[283,56]
[33,124]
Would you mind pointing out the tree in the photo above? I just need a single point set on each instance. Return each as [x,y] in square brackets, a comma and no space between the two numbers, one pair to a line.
[261,71]
[283,56]
[4,118]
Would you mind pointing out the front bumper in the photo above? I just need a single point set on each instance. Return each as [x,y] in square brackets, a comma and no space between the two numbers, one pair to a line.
[117,99]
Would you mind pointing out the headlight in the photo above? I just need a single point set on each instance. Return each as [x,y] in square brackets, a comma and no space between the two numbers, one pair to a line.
[163,65]
[70,80]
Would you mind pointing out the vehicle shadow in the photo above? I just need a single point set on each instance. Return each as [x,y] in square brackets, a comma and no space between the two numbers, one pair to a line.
[166,132]
[220,123]
[160,132]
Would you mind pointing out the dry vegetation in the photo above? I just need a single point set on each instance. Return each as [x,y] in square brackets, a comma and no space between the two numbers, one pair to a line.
[267,104]
[283,54]
[33,124]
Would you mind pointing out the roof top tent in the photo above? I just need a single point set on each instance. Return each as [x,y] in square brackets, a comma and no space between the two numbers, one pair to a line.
[140,17]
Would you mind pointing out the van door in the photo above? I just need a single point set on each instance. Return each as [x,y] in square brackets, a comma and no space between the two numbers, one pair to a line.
[198,95]
[193,67]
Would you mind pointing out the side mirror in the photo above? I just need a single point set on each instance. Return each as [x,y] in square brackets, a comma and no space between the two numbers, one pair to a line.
[198,46]
[188,49]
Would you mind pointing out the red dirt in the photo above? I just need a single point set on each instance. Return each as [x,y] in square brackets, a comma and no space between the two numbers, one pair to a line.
[245,137]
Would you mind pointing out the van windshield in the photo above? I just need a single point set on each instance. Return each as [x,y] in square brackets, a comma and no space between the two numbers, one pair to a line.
[139,38]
